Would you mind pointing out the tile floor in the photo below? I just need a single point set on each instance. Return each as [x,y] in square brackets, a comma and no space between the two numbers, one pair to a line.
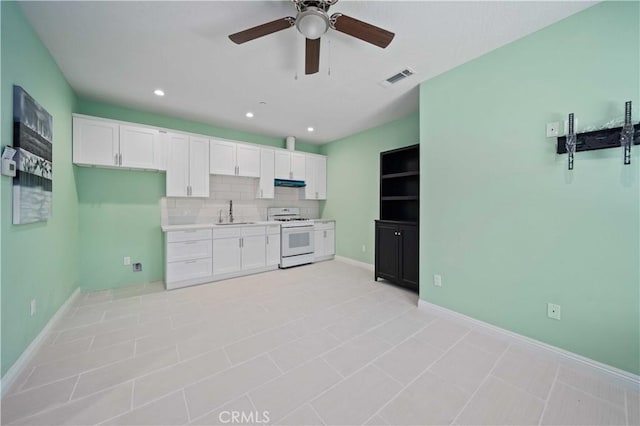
[319,344]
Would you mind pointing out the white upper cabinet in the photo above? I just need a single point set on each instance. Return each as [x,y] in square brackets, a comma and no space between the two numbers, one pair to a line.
[248,159]
[316,177]
[199,166]
[223,158]
[265,185]
[139,147]
[105,143]
[298,164]
[234,159]
[95,142]
[282,165]
[187,166]
[290,165]
[177,165]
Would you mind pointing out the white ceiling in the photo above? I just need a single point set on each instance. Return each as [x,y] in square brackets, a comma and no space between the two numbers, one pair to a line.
[119,52]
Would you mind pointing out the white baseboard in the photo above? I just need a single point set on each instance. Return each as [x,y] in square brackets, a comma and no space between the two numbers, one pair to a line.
[23,361]
[622,377]
[367,266]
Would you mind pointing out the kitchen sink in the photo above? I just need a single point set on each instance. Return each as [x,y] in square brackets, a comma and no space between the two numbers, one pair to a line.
[236,223]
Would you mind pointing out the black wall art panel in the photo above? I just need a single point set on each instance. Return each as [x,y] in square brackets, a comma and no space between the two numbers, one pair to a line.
[32,139]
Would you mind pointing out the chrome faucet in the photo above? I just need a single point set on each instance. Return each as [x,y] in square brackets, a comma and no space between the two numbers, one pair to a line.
[230,211]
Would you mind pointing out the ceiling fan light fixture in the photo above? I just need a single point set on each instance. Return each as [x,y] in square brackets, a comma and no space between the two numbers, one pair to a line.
[312,22]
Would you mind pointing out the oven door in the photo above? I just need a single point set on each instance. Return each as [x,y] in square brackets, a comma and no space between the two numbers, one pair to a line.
[297,240]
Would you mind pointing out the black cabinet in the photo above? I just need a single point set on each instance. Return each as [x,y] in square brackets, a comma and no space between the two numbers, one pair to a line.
[397,243]
[397,253]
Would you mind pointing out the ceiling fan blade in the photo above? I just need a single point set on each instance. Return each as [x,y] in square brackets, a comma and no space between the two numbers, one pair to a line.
[362,30]
[262,30]
[312,56]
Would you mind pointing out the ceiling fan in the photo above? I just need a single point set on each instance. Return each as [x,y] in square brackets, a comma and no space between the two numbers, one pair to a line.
[312,22]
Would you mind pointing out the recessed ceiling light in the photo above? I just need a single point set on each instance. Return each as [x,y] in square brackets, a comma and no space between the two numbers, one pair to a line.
[310,129]
[158,92]
[249,114]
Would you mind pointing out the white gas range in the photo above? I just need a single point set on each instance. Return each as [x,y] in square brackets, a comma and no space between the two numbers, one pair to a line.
[296,236]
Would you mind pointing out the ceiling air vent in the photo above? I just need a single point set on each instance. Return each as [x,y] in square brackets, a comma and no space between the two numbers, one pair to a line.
[407,72]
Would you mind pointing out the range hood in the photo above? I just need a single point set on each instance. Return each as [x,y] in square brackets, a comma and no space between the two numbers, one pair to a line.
[289,183]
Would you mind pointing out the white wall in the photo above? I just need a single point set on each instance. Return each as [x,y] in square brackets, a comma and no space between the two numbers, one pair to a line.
[246,207]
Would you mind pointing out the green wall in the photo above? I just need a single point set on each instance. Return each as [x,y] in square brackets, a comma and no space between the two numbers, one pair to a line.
[38,260]
[503,221]
[353,183]
[120,210]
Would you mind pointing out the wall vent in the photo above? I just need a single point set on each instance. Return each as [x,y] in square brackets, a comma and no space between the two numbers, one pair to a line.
[407,72]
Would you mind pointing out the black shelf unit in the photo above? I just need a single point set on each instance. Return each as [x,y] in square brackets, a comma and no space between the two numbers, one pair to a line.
[398,227]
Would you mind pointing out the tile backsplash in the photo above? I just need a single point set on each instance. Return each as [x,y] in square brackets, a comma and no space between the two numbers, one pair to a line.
[246,207]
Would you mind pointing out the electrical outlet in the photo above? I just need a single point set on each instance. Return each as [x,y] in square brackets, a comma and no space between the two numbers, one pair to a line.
[437,280]
[137,267]
[553,129]
[553,311]
[33,307]
[126,261]
[364,248]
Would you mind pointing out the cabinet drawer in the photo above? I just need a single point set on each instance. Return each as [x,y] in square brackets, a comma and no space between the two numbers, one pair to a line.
[224,232]
[273,229]
[188,235]
[253,230]
[188,269]
[188,250]
[322,226]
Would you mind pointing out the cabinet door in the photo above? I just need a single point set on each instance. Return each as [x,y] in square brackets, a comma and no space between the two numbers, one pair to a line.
[273,249]
[330,242]
[138,147]
[386,251]
[265,186]
[162,151]
[254,251]
[95,142]
[408,256]
[226,255]
[321,178]
[298,165]
[282,165]
[177,165]
[248,160]
[318,243]
[223,158]
[199,166]
[310,172]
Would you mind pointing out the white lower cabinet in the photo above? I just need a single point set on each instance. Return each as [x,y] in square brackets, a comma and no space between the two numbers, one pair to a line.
[239,249]
[188,255]
[227,255]
[203,255]
[324,240]
[273,245]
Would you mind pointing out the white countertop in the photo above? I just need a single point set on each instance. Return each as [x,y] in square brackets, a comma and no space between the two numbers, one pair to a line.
[186,227]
